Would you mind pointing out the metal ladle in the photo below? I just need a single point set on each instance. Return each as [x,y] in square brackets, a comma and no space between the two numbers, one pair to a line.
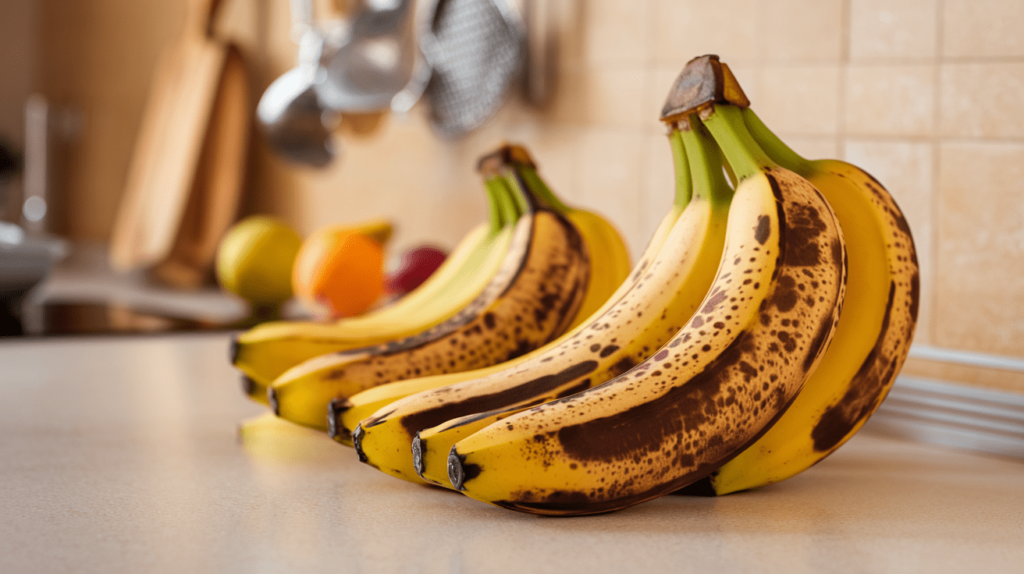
[377,65]
[289,113]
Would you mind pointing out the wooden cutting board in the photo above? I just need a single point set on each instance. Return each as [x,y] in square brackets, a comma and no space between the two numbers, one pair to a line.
[187,171]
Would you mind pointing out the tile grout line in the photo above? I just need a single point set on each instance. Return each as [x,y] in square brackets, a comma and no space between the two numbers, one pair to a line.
[935,187]
[844,61]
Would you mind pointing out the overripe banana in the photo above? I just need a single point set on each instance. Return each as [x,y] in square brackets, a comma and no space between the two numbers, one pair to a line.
[874,333]
[718,384]
[610,263]
[531,300]
[642,319]
[267,350]
[347,413]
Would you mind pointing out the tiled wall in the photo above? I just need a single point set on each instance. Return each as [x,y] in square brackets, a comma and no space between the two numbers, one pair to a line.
[925,94]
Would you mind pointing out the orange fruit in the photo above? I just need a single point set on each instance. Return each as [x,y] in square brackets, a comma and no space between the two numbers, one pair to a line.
[339,271]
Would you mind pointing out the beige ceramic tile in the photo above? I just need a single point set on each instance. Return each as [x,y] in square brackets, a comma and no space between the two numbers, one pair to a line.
[802,30]
[566,105]
[980,249]
[813,147]
[890,100]
[906,170]
[800,100]
[608,96]
[553,149]
[431,191]
[616,97]
[609,178]
[567,31]
[615,31]
[987,28]
[883,29]
[982,100]
[684,29]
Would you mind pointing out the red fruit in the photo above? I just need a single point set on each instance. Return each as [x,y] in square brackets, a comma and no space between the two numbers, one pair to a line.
[414,267]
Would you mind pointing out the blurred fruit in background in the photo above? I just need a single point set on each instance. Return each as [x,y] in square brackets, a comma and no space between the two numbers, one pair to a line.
[414,267]
[339,270]
[255,258]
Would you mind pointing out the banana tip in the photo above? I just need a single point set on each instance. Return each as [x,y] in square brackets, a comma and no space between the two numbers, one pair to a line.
[335,429]
[234,350]
[357,442]
[272,401]
[455,472]
[417,455]
[248,385]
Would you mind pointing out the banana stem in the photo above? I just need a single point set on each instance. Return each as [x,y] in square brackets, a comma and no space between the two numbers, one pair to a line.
[684,180]
[773,145]
[705,163]
[506,203]
[494,216]
[525,199]
[540,189]
[744,155]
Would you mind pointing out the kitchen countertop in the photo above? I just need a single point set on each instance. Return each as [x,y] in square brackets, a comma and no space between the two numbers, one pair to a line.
[121,454]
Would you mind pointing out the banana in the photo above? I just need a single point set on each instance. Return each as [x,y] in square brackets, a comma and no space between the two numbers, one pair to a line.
[266,351]
[612,265]
[643,318]
[346,413]
[871,342]
[722,380]
[531,300]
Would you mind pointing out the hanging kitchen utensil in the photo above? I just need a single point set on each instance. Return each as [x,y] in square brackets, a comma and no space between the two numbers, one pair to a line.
[474,49]
[186,173]
[290,115]
[374,59]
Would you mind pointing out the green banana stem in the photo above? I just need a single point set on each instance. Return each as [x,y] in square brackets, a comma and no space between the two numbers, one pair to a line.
[494,215]
[774,146]
[526,200]
[540,189]
[507,204]
[684,181]
[744,155]
[705,161]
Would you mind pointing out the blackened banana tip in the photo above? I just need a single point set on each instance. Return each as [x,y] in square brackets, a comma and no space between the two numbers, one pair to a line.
[704,81]
[248,385]
[417,455]
[334,427]
[272,401]
[234,350]
[455,472]
[357,442]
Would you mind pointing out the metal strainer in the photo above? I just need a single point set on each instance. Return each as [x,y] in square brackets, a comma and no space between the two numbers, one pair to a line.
[474,49]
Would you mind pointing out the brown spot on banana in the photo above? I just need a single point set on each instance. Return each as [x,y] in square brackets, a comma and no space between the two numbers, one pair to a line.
[427,418]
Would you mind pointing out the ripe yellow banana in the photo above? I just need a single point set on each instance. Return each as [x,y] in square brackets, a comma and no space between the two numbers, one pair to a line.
[609,264]
[722,380]
[266,351]
[643,318]
[871,342]
[346,413]
[532,300]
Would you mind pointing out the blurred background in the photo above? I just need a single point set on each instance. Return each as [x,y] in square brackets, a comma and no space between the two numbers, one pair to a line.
[924,94]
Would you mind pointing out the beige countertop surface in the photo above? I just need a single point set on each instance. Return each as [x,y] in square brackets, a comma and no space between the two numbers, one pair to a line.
[121,454]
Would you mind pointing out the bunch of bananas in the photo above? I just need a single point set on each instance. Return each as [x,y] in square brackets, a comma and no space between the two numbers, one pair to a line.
[764,323]
[524,277]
